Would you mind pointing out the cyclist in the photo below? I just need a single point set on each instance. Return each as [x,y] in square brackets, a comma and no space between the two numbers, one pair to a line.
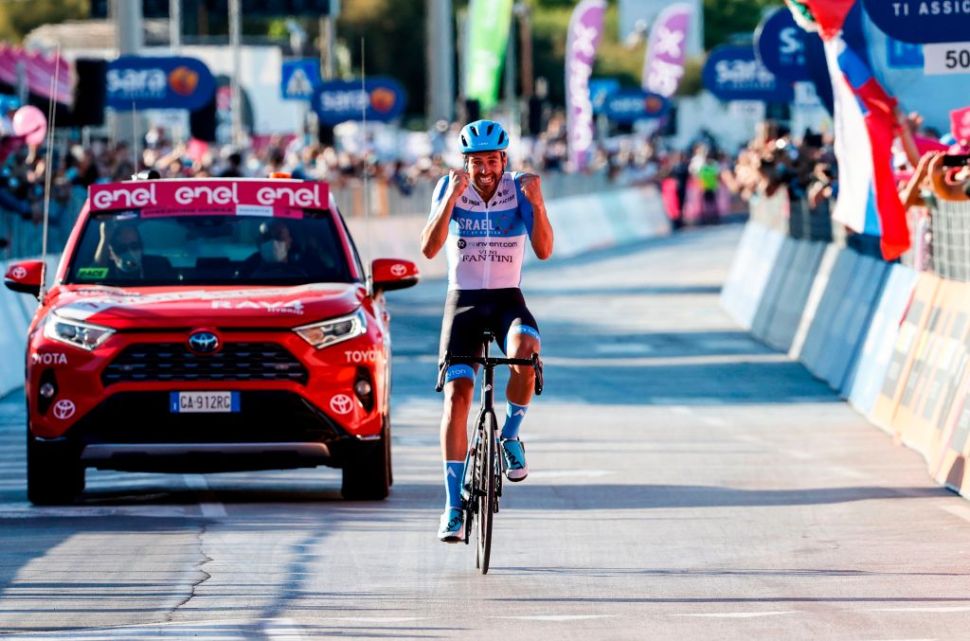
[485,230]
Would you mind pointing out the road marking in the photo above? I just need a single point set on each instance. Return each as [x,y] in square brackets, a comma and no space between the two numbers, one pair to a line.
[737,615]
[210,509]
[939,609]
[681,410]
[714,421]
[562,618]
[561,474]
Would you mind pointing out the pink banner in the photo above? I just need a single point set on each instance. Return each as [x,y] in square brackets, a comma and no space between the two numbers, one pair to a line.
[229,197]
[39,73]
[585,31]
[960,124]
[663,66]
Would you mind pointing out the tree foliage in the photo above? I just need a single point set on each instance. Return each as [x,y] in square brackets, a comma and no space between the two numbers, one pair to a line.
[20,17]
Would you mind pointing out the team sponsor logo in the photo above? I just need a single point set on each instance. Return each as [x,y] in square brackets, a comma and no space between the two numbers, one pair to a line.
[461,243]
[208,195]
[280,307]
[203,342]
[125,197]
[342,404]
[361,356]
[398,270]
[295,196]
[49,358]
[64,409]
[471,224]
[19,272]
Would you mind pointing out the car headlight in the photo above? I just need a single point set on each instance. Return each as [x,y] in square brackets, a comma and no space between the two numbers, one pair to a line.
[335,330]
[83,335]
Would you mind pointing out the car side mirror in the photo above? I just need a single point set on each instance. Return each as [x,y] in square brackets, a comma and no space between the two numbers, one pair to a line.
[25,277]
[389,274]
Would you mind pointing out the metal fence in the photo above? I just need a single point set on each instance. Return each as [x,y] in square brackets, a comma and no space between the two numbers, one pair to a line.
[949,235]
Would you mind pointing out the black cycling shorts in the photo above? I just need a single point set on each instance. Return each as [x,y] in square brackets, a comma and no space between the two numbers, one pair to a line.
[469,313]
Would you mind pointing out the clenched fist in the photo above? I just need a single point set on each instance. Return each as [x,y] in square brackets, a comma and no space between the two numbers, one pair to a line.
[531,185]
[457,183]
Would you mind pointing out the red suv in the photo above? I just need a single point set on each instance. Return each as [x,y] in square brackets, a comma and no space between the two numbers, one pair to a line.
[205,326]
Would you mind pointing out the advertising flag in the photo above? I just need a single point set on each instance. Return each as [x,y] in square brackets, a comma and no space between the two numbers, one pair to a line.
[663,66]
[585,32]
[488,35]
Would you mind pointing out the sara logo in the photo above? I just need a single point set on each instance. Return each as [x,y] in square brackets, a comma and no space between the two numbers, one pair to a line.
[342,404]
[340,100]
[172,82]
[19,272]
[64,409]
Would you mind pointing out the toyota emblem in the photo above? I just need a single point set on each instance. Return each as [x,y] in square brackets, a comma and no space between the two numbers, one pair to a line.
[342,404]
[398,270]
[19,272]
[64,409]
[203,342]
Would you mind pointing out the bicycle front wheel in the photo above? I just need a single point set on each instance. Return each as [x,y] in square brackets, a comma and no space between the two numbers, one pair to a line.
[487,459]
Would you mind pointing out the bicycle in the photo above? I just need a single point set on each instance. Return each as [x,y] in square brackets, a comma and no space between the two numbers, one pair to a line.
[482,483]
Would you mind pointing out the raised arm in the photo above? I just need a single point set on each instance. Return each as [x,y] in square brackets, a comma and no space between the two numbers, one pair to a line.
[447,192]
[541,232]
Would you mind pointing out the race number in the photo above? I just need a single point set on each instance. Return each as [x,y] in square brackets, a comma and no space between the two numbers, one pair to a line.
[946,58]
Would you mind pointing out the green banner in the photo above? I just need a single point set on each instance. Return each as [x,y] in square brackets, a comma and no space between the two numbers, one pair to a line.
[488,34]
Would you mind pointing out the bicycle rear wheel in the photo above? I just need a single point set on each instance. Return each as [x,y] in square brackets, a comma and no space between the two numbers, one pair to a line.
[486,498]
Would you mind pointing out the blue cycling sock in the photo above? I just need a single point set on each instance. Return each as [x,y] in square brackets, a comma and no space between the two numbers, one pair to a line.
[454,471]
[513,419]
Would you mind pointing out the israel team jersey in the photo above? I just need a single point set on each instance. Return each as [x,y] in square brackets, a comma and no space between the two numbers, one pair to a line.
[486,241]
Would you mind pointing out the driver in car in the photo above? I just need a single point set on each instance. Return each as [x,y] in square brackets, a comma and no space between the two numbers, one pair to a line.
[122,251]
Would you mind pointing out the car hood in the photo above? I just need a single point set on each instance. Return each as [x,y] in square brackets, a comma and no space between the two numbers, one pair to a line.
[186,307]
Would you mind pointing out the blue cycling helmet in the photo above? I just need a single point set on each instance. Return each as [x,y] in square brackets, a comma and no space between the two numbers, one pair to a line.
[483,135]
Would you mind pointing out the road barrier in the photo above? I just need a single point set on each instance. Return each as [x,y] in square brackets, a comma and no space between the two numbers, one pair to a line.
[891,340]
[581,224]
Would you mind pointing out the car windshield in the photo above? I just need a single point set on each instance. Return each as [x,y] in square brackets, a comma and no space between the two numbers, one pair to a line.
[128,248]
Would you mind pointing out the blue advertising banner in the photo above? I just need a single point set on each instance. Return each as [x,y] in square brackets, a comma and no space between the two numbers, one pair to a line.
[300,79]
[782,46]
[921,21]
[599,89]
[903,55]
[338,101]
[631,105]
[733,72]
[172,82]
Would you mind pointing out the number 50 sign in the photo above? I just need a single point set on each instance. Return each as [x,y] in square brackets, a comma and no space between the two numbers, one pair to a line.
[946,58]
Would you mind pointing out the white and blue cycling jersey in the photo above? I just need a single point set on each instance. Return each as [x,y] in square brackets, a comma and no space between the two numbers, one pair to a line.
[486,241]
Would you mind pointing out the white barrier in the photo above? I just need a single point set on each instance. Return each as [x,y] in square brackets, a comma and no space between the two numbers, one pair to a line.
[580,224]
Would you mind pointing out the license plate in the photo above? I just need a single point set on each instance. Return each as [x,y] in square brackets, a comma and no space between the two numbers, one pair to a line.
[203,402]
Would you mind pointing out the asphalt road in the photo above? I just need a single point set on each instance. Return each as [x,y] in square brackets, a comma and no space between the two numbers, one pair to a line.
[687,483]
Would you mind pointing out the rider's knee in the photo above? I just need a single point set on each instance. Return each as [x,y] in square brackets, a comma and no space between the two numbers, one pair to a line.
[523,341]
[459,392]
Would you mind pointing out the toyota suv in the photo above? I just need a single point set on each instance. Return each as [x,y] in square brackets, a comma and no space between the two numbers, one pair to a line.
[205,326]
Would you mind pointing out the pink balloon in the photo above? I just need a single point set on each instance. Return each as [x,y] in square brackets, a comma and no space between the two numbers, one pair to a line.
[30,122]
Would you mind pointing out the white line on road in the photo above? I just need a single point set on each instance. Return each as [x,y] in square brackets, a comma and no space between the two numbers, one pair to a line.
[561,618]
[737,615]
[560,474]
[938,609]
[211,510]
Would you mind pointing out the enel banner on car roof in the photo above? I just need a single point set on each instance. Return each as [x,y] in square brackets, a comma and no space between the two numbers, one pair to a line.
[230,197]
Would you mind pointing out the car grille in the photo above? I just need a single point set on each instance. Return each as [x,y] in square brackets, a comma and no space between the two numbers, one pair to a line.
[175,362]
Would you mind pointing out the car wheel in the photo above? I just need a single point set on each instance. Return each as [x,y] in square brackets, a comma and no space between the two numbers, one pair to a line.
[367,474]
[55,475]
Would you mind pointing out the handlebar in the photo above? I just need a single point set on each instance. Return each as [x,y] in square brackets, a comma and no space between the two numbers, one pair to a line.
[449,360]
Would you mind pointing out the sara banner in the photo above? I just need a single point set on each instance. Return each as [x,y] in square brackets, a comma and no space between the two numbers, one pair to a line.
[631,105]
[487,37]
[172,82]
[733,72]
[921,21]
[663,66]
[585,32]
[380,99]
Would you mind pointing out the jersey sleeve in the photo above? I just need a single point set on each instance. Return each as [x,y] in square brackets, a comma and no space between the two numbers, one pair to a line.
[525,207]
[438,194]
